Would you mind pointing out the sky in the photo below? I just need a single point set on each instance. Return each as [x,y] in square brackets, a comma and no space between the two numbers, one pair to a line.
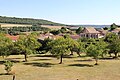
[64,11]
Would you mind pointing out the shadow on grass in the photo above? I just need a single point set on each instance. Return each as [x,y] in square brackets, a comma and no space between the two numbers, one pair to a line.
[83,60]
[108,58]
[40,64]
[5,74]
[68,56]
[1,62]
[81,65]
[54,56]
[82,56]
[45,56]
[17,58]
[14,61]
[41,59]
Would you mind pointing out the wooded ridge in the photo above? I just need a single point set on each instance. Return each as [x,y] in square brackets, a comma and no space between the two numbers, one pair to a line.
[31,21]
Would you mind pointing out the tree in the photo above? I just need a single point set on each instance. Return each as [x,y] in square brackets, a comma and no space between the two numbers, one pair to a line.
[6,45]
[115,47]
[81,47]
[95,50]
[79,30]
[45,47]
[27,45]
[63,30]
[72,44]
[59,47]
[110,37]
[105,28]
[55,32]
[113,26]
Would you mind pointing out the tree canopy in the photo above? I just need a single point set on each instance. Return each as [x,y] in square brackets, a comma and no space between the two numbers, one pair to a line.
[113,26]
[27,45]
[59,47]
[115,47]
[97,49]
[6,45]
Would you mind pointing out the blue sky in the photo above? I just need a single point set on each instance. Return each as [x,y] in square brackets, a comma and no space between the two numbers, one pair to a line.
[64,11]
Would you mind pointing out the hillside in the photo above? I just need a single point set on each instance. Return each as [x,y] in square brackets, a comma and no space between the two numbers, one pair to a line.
[29,21]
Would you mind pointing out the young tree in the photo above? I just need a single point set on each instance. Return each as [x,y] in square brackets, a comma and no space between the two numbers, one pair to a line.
[59,47]
[8,66]
[27,45]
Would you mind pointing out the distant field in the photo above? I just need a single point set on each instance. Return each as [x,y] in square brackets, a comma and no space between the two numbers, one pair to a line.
[52,27]
[13,25]
[24,25]
[44,67]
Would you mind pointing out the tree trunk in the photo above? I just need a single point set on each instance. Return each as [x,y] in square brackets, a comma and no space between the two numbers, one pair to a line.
[13,77]
[116,55]
[110,52]
[61,56]
[25,57]
[110,55]
[71,52]
[96,59]
[78,53]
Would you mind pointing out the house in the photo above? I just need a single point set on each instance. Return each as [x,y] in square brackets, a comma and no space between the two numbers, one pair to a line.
[48,35]
[90,32]
[75,37]
[116,31]
[103,33]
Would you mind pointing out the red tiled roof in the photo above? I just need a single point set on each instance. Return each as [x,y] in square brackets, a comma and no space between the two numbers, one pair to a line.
[12,37]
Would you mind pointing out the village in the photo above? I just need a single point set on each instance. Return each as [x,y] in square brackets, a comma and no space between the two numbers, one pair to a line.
[84,45]
[85,32]
[59,40]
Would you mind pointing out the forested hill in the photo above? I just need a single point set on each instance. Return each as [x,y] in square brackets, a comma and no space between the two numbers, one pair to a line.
[31,21]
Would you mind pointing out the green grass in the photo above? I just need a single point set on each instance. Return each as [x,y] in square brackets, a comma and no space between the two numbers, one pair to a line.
[47,68]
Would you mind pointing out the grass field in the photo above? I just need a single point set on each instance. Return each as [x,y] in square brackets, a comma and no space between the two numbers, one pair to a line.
[13,25]
[43,67]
